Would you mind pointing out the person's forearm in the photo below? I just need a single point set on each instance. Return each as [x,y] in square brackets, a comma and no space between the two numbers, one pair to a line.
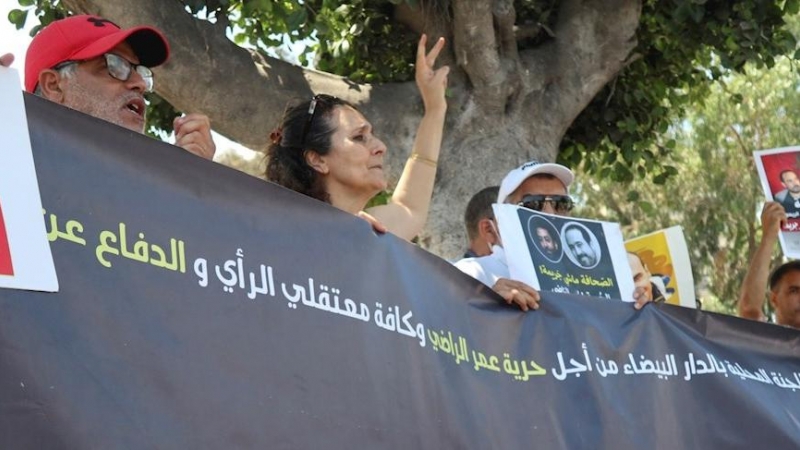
[415,187]
[751,298]
[406,213]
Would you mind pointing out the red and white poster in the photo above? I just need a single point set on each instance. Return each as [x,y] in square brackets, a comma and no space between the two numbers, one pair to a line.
[565,254]
[25,258]
[779,172]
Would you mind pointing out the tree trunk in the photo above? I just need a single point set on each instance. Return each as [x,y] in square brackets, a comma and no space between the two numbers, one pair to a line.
[507,106]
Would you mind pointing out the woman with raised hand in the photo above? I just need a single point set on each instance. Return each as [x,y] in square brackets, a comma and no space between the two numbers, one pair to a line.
[324,148]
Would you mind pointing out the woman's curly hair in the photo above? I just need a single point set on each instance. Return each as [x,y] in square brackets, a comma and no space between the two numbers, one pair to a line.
[305,127]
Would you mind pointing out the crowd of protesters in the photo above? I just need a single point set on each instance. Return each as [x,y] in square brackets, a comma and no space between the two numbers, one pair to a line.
[325,148]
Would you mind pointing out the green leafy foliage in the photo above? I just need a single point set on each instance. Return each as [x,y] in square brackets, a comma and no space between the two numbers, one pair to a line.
[712,190]
[45,10]
[381,199]
[361,41]
[684,46]
[18,18]
[356,39]
[666,142]
[160,116]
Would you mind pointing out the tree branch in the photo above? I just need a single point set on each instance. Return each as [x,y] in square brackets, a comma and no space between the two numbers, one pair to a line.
[244,93]
[598,38]
[742,145]
[477,51]
[411,17]
[593,41]
[506,15]
[528,30]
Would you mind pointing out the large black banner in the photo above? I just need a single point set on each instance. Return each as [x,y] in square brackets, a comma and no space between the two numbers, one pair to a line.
[201,308]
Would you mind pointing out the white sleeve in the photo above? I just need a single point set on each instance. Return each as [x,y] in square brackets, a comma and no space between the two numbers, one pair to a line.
[473,268]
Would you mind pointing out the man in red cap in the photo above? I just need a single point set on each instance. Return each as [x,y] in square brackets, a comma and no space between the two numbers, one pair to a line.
[91,65]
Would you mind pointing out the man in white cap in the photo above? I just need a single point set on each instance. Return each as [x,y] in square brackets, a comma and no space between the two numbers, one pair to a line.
[542,187]
[93,66]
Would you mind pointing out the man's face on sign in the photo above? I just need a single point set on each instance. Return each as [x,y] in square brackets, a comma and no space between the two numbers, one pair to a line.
[546,241]
[580,247]
[791,181]
[641,276]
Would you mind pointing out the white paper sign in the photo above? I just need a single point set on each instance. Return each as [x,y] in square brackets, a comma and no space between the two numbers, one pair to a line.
[25,258]
[564,254]
[780,180]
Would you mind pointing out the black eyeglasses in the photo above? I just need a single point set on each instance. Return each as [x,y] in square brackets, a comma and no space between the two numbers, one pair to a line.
[312,109]
[561,203]
[121,69]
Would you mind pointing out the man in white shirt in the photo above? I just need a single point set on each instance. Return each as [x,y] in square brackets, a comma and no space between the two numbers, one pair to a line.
[542,187]
[548,183]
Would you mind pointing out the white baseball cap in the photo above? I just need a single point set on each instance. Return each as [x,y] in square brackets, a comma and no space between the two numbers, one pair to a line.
[517,176]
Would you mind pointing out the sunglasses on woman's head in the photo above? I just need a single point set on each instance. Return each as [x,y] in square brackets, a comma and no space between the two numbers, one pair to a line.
[312,109]
[560,203]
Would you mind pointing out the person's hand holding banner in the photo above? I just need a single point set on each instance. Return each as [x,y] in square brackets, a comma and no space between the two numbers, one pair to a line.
[517,292]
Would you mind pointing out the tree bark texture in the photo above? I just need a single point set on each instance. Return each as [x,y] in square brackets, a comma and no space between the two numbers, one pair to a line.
[506,106]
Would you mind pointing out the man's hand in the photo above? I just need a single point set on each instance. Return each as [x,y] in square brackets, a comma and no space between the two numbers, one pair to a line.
[517,292]
[640,298]
[193,134]
[6,60]
[376,224]
[772,217]
[751,298]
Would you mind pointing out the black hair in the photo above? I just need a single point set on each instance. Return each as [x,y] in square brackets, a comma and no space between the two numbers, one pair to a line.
[479,207]
[541,222]
[304,128]
[781,271]
[586,237]
[785,172]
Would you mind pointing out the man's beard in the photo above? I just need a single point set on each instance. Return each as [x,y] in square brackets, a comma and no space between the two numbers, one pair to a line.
[85,100]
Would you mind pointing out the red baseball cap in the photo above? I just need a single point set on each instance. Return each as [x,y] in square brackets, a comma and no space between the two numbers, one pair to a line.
[84,37]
